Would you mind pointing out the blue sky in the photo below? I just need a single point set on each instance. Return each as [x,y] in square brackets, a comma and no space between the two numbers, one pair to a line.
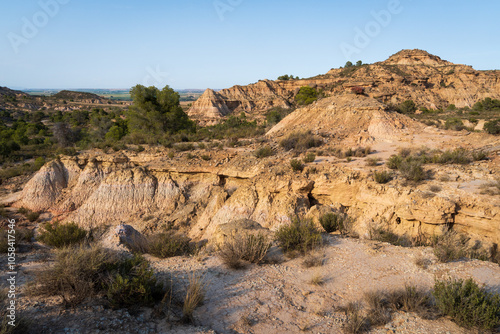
[220,43]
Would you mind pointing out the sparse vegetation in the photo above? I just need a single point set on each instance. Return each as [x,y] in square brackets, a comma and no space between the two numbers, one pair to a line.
[333,222]
[317,279]
[168,244]
[356,322]
[382,177]
[412,170]
[310,157]
[467,304]
[296,165]
[237,251]
[264,152]
[300,141]
[372,162]
[300,236]
[195,295]
[60,235]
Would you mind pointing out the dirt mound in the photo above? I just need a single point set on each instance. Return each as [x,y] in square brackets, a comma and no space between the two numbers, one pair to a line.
[359,118]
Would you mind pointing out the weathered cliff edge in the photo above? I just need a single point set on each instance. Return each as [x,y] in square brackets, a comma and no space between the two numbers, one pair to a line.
[149,192]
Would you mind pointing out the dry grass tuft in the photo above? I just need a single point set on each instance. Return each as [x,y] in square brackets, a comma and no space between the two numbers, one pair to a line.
[239,250]
[195,294]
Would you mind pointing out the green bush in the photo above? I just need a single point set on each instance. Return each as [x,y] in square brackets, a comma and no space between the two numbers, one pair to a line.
[457,156]
[382,177]
[492,127]
[454,123]
[412,170]
[134,284]
[394,162]
[84,272]
[296,165]
[299,236]
[310,157]
[60,235]
[263,152]
[332,222]
[407,107]
[307,95]
[78,273]
[467,304]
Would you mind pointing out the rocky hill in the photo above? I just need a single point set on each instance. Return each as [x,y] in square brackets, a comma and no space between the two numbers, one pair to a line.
[81,97]
[407,75]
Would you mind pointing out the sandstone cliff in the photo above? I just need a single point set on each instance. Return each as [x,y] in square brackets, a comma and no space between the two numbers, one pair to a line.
[150,192]
[408,75]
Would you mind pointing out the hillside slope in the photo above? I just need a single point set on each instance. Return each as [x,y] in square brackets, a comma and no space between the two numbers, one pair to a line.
[407,75]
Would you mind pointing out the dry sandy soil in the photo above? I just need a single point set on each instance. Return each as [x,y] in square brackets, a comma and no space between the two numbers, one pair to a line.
[269,298]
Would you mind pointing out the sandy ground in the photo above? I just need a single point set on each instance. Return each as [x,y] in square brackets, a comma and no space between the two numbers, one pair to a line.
[270,298]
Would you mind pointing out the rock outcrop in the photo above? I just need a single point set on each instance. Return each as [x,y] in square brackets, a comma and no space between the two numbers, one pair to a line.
[102,190]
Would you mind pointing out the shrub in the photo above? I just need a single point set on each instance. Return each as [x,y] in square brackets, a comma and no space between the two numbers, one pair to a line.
[296,165]
[356,322]
[263,152]
[412,170]
[467,304]
[454,123]
[78,273]
[411,299]
[358,90]
[307,95]
[206,157]
[407,107]
[236,251]
[299,236]
[394,162]
[60,235]
[33,216]
[372,162]
[492,127]
[168,244]
[449,247]
[300,141]
[183,147]
[378,308]
[382,177]
[310,157]
[332,222]
[457,156]
[134,284]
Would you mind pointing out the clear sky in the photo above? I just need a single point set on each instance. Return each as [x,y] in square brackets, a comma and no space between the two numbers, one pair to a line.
[221,43]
